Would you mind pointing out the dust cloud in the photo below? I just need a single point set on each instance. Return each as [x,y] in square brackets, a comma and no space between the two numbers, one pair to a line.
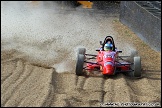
[48,35]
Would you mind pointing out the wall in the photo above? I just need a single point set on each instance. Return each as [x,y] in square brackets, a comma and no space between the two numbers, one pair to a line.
[144,20]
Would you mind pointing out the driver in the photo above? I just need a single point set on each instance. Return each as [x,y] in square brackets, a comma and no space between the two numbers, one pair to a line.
[108,46]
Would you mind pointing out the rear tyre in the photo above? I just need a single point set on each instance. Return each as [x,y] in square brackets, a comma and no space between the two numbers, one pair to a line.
[132,55]
[79,65]
[81,51]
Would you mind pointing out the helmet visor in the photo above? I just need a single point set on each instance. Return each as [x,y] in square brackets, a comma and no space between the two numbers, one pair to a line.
[107,47]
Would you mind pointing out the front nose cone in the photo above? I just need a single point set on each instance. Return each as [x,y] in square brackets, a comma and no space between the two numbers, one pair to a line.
[108,69]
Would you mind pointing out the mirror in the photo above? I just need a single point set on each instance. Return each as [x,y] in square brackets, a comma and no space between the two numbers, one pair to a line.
[100,42]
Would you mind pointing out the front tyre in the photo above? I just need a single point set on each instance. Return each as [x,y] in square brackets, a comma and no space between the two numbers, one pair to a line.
[79,65]
[137,67]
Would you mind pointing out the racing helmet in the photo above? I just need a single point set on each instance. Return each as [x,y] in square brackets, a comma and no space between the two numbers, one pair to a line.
[108,47]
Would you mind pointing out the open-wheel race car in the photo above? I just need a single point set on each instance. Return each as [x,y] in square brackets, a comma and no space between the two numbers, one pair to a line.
[108,63]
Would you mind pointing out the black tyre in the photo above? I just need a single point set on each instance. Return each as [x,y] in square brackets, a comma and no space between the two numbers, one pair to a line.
[79,65]
[132,55]
[137,67]
[81,51]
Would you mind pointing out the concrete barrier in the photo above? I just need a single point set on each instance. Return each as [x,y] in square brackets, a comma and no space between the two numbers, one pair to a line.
[144,20]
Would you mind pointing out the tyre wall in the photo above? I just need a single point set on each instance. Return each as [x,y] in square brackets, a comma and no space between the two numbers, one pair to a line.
[143,18]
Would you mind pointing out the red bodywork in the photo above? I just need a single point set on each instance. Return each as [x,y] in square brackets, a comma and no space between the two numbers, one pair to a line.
[107,63]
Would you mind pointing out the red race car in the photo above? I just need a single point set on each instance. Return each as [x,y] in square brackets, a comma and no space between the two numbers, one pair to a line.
[108,62]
